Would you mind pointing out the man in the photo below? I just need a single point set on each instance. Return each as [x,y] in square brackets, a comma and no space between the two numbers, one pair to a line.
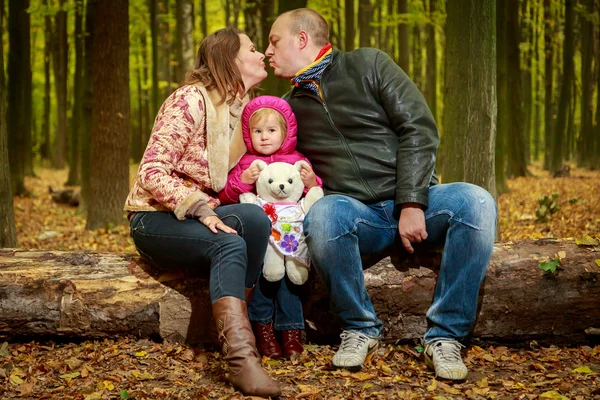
[370,136]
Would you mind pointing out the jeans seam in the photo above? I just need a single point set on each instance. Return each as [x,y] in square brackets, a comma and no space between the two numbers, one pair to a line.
[241,222]
[454,218]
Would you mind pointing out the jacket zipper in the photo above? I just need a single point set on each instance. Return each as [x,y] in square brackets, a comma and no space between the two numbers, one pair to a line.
[344,143]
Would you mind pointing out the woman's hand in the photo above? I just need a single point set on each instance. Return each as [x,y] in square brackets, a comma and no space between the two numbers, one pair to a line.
[250,175]
[213,223]
[308,176]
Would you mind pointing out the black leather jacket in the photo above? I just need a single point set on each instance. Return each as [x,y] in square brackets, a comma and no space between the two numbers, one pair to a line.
[373,137]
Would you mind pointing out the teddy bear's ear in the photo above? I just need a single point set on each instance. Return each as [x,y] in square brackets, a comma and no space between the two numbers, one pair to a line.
[301,163]
[259,163]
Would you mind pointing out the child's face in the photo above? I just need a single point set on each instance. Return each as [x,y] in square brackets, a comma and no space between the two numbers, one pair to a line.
[267,135]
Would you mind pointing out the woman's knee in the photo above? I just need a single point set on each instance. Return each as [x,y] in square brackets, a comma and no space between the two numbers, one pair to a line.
[249,218]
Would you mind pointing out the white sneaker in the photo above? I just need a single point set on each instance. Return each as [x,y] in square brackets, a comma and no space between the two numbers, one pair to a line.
[443,356]
[353,350]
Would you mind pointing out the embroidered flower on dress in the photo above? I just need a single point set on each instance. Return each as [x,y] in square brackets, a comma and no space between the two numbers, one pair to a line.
[286,227]
[276,234]
[289,243]
[271,212]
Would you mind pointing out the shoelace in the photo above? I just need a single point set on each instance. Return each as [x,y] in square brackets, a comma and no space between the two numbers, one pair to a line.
[448,353]
[352,340]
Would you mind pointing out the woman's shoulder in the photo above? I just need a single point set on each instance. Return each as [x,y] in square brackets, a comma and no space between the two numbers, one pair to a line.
[189,91]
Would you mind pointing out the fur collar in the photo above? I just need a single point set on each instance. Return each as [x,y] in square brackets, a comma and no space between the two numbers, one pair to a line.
[225,143]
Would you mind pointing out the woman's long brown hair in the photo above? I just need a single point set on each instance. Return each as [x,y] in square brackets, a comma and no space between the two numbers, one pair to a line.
[215,65]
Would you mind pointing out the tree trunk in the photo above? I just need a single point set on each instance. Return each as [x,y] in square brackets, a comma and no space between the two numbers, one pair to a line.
[185,37]
[417,57]
[18,49]
[403,47]
[365,14]
[75,157]
[147,104]
[431,71]
[517,156]
[8,233]
[526,66]
[45,146]
[585,145]
[350,26]
[560,133]
[110,115]
[502,97]
[153,7]
[136,133]
[536,72]
[164,50]
[96,295]
[548,82]
[252,25]
[203,19]
[87,106]
[469,119]
[61,57]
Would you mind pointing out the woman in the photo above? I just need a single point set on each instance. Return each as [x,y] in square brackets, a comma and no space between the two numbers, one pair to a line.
[175,215]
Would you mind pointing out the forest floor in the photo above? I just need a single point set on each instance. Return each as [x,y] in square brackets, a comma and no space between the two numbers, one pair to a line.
[141,369]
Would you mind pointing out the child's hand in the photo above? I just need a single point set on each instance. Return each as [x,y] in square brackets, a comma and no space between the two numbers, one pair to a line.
[250,175]
[308,176]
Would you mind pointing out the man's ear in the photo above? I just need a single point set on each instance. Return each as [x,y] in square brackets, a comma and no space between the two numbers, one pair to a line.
[302,39]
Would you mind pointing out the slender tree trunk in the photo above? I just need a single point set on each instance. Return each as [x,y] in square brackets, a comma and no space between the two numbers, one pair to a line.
[596,142]
[227,13]
[379,40]
[417,57]
[536,81]
[431,71]
[502,97]
[517,156]
[236,13]
[403,47]
[27,115]
[560,135]
[469,119]
[164,50]
[45,146]
[8,232]
[61,53]
[350,26]
[365,14]
[548,82]
[390,34]
[153,6]
[252,25]
[339,22]
[148,109]
[136,131]
[203,19]
[585,151]
[185,37]
[526,65]
[74,159]
[18,36]
[87,106]
[110,136]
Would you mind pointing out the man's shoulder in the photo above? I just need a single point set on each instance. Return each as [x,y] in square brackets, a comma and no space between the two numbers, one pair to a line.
[364,53]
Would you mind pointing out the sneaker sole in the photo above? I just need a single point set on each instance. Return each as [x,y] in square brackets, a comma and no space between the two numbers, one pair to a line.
[356,368]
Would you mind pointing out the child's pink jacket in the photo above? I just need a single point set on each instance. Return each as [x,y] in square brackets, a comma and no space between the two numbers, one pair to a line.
[287,153]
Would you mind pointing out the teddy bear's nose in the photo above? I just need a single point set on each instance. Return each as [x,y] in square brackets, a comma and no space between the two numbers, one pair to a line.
[282,186]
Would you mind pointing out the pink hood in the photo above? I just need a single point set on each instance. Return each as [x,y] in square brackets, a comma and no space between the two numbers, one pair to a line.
[289,144]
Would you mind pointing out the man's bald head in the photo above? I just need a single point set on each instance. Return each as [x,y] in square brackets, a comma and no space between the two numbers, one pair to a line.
[309,21]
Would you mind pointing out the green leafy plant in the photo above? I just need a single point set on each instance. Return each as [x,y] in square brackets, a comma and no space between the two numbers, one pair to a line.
[548,205]
[550,265]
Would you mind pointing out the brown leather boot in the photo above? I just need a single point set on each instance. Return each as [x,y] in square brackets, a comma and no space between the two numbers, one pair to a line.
[239,349]
[292,342]
[266,342]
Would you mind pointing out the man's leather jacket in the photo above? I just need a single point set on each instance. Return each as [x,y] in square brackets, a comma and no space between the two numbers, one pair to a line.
[372,137]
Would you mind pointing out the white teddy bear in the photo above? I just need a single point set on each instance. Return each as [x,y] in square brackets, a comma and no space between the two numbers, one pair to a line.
[279,188]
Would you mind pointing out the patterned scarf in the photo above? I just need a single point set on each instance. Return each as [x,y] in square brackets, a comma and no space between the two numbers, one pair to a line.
[310,76]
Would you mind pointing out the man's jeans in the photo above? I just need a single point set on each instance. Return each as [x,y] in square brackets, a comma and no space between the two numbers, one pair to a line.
[278,302]
[232,261]
[460,217]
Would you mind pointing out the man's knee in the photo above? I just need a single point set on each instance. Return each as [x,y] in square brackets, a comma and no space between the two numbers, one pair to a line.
[328,217]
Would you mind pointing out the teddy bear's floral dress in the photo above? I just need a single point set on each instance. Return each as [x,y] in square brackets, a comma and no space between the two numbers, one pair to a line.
[287,233]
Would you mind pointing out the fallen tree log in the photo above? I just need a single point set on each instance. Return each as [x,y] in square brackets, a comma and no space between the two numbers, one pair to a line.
[95,295]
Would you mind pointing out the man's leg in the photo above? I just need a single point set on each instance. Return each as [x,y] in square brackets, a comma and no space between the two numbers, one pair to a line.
[462,218]
[338,230]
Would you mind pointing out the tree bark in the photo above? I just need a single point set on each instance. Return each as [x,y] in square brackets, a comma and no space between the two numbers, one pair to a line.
[586,137]
[8,233]
[45,146]
[502,97]
[185,37]
[467,153]
[365,14]
[548,82]
[431,61]
[350,26]
[417,57]
[153,8]
[403,47]
[203,19]
[110,116]
[61,57]
[526,63]
[97,295]
[18,71]
[560,133]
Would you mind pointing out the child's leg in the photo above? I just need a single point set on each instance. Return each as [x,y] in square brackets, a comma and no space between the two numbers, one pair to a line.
[289,318]
[261,311]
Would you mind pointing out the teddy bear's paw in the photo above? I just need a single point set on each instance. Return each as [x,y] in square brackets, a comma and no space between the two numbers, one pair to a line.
[273,276]
[314,194]
[298,274]
[247,197]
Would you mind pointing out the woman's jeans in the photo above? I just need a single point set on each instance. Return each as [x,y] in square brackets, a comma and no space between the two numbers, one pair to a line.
[232,261]
[460,217]
[277,302]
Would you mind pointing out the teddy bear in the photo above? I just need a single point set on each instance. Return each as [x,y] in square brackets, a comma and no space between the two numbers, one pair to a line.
[279,191]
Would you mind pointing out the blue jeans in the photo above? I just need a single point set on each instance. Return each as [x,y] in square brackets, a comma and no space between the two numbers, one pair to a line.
[232,262]
[460,217]
[278,302]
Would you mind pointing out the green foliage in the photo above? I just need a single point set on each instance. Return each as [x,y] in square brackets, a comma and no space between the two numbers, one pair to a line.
[548,205]
[551,265]
[123,394]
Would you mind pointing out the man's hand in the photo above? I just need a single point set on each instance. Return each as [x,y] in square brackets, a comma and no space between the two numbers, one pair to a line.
[213,223]
[308,176]
[411,225]
[250,175]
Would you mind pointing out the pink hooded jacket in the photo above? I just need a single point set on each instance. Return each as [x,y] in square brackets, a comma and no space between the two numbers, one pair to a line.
[287,153]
